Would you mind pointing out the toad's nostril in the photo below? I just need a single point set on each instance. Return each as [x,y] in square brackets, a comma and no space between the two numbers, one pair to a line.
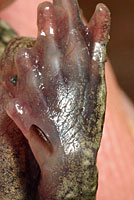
[38,132]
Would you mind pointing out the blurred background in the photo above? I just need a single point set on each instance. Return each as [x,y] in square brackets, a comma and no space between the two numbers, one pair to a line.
[121,45]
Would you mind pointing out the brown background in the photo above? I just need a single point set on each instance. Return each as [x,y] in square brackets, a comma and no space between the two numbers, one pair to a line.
[121,45]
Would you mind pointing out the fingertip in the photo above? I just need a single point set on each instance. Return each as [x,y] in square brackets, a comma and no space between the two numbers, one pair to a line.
[102,8]
[18,111]
[103,16]
[15,111]
[99,25]
[45,19]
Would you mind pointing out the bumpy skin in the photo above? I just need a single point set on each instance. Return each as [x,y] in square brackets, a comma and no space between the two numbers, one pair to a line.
[56,89]
[19,172]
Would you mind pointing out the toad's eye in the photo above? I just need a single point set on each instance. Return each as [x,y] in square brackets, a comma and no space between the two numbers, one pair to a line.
[14,80]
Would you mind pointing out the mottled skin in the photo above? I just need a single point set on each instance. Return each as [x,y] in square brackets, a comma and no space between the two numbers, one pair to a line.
[62,74]
[19,171]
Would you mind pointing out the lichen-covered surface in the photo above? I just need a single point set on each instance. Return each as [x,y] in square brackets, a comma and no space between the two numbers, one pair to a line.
[6,34]
[55,86]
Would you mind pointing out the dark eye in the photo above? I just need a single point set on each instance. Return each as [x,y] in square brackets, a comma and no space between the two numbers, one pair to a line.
[13,80]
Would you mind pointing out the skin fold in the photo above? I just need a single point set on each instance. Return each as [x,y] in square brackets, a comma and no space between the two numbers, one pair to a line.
[53,88]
